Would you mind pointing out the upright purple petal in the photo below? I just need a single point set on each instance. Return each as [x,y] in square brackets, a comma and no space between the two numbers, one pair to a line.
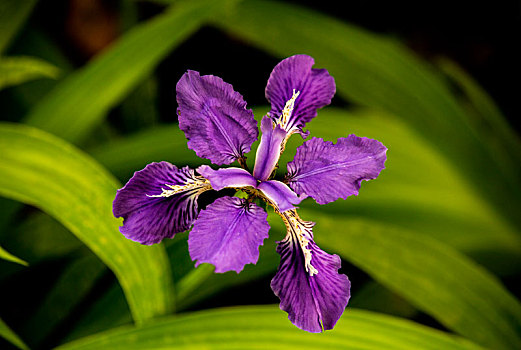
[228,234]
[301,90]
[280,194]
[327,171]
[307,282]
[214,118]
[229,177]
[268,152]
[158,202]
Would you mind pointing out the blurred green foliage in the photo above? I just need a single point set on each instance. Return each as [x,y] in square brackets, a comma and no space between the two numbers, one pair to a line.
[432,241]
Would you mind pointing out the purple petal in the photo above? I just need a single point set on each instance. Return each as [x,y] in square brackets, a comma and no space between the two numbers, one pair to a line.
[292,76]
[327,171]
[279,194]
[214,118]
[158,202]
[229,177]
[307,282]
[228,234]
[268,152]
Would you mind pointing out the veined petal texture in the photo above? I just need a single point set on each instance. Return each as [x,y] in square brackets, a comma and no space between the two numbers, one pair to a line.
[307,282]
[158,202]
[214,118]
[295,76]
[228,234]
[229,177]
[327,171]
[268,152]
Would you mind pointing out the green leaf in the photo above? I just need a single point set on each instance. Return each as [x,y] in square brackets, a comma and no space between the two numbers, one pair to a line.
[13,14]
[266,327]
[9,335]
[39,169]
[429,274]
[42,237]
[91,91]
[126,155]
[4,254]
[17,70]
[419,190]
[377,72]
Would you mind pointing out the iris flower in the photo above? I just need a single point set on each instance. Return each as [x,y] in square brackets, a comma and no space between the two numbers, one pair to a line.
[162,200]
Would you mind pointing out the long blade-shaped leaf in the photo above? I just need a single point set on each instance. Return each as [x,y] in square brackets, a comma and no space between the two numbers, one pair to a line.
[266,327]
[78,104]
[4,254]
[39,169]
[9,335]
[432,276]
[373,71]
[421,190]
[17,70]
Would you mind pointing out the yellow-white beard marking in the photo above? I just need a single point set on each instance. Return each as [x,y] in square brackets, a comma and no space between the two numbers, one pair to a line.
[302,231]
[288,110]
[198,184]
[284,119]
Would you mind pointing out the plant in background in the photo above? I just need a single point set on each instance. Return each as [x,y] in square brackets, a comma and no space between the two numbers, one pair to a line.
[434,239]
[161,200]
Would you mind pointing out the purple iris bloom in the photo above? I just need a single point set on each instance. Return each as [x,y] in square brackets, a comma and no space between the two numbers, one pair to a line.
[161,200]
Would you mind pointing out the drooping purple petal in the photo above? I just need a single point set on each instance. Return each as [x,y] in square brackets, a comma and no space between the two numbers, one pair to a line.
[327,171]
[228,234]
[307,282]
[268,152]
[229,177]
[214,118]
[158,202]
[280,194]
[294,81]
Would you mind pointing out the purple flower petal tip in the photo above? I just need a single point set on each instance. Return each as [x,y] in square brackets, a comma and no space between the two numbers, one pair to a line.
[306,89]
[214,118]
[228,234]
[307,282]
[158,202]
[327,171]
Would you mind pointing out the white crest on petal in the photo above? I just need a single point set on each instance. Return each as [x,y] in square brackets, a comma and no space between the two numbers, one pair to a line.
[301,231]
[288,110]
[198,184]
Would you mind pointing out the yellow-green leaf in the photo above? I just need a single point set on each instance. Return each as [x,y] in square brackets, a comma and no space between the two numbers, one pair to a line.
[4,254]
[42,170]
[19,69]
[266,327]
